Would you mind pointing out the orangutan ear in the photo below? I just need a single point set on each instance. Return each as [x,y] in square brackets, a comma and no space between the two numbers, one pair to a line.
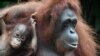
[33,16]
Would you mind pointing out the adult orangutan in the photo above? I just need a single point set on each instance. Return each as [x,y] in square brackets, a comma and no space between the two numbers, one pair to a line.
[62,31]
[60,28]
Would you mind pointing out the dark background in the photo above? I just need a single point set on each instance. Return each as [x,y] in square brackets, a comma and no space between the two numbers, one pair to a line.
[90,8]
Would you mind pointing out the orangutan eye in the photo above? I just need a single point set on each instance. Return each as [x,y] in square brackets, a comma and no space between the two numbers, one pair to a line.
[17,34]
[23,38]
[67,22]
[74,22]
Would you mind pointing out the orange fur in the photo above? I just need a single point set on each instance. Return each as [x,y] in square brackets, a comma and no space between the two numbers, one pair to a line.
[19,14]
[87,46]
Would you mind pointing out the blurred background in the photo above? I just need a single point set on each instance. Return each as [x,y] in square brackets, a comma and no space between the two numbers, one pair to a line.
[90,8]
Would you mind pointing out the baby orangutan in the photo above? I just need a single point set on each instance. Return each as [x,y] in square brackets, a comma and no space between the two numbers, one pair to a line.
[22,40]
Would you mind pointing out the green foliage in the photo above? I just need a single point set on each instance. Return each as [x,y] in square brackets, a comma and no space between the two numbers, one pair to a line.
[4,3]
